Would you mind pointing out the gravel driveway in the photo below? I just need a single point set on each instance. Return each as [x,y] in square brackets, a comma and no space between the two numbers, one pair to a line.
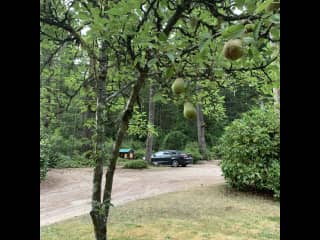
[66,192]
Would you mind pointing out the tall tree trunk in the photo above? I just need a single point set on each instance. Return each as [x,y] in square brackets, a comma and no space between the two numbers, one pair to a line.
[201,133]
[98,217]
[149,142]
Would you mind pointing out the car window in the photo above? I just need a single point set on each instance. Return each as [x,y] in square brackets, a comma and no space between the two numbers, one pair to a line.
[158,154]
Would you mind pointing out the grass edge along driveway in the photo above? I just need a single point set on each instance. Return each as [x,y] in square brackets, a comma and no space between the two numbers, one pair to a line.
[213,212]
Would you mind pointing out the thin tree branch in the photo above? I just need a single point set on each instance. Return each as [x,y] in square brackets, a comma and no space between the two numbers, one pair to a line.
[261,67]
[68,28]
[49,59]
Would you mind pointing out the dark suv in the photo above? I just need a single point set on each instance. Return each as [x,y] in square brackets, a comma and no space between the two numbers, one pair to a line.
[171,157]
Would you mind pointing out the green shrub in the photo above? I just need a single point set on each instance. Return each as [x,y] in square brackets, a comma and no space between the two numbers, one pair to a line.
[250,150]
[273,178]
[76,161]
[216,152]
[139,153]
[193,149]
[67,151]
[174,140]
[136,164]
[52,154]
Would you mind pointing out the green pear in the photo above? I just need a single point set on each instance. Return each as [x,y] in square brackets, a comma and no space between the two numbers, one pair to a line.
[178,86]
[232,49]
[189,111]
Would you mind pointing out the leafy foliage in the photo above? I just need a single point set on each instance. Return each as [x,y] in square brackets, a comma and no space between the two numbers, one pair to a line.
[140,153]
[66,151]
[250,149]
[193,51]
[44,158]
[193,149]
[139,125]
[136,164]
[174,140]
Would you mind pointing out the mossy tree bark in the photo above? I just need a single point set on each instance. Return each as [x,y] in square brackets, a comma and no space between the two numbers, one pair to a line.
[97,214]
[201,133]
[149,142]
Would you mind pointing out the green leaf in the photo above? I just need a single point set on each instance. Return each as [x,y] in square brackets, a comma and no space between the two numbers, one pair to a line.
[275,18]
[248,40]
[239,3]
[203,53]
[204,41]
[163,37]
[152,62]
[263,6]
[158,97]
[275,33]
[171,56]
[233,31]
[169,72]
[250,5]
[257,31]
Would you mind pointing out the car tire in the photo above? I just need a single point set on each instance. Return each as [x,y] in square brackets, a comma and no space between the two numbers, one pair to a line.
[175,163]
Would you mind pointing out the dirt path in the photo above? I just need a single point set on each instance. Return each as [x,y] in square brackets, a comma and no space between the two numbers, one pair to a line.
[66,193]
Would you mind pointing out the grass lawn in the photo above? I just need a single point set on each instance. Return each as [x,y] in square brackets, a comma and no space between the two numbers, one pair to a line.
[215,212]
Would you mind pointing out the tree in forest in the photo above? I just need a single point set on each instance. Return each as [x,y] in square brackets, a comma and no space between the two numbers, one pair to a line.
[124,44]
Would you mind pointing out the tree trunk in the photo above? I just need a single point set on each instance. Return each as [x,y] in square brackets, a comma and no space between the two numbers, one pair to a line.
[276,95]
[126,116]
[201,133]
[149,142]
[97,215]
[87,131]
[100,210]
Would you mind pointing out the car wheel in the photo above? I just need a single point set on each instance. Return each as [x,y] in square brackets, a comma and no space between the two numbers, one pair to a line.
[175,163]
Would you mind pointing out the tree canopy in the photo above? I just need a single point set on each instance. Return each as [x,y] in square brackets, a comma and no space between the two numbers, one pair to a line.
[98,57]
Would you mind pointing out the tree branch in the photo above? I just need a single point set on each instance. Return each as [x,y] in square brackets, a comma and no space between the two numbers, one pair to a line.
[261,67]
[70,29]
[145,15]
[213,9]
[50,58]
[173,20]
